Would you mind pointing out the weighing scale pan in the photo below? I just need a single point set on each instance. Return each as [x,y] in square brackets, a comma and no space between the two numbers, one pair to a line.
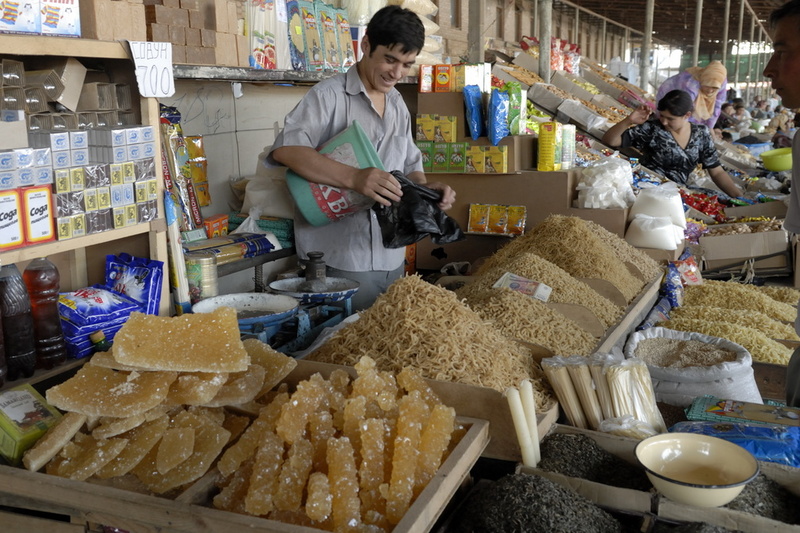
[338,289]
[252,307]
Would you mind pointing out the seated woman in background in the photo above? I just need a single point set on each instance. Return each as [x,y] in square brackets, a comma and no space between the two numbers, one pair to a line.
[670,144]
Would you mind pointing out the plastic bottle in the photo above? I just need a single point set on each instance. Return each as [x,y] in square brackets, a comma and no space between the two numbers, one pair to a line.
[17,323]
[3,367]
[99,341]
[42,281]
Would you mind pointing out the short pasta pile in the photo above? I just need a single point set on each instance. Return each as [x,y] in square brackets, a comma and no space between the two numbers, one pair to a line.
[773,329]
[566,289]
[528,319]
[761,347]
[725,294]
[428,328]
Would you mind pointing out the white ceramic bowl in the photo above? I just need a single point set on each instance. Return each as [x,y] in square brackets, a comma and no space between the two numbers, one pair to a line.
[696,469]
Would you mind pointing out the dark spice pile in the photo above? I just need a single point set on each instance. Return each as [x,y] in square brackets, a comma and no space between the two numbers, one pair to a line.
[525,503]
[766,498]
[581,457]
[689,527]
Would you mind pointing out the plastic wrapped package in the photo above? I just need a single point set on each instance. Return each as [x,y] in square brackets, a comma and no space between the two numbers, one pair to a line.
[772,443]
[651,232]
[420,7]
[497,118]
[605,184]
[627,426]
[430,26]
[632,392]
[473,101]
[661,201]
[555,368]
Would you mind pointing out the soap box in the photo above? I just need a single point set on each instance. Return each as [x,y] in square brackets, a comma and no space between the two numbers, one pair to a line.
[24,417]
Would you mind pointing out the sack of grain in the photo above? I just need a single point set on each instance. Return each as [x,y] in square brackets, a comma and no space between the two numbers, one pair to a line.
[684,365]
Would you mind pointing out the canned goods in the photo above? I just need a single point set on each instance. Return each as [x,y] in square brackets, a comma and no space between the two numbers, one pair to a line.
[201,275]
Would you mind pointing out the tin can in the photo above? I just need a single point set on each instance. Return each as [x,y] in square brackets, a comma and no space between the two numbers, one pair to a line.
[201,275]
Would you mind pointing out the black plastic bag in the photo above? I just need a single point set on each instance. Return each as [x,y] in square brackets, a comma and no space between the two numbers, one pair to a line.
[416,216]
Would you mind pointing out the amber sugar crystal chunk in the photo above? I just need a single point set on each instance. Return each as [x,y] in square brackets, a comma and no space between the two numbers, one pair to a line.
[200,342]
[111,427]
[195,388]
[175,447]
[87,456]
[53,441]
[318,502]
[98,391]
[140,441]
[276,364]
[241,387]
[343,478]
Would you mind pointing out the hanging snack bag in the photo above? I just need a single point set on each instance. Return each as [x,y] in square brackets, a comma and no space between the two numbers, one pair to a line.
[473,101]
[498,116]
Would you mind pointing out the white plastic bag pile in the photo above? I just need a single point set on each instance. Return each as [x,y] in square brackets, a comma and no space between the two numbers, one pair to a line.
[657,219]
[606,184]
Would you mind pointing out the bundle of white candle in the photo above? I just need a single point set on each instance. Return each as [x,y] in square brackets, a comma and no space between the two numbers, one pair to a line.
[523,413]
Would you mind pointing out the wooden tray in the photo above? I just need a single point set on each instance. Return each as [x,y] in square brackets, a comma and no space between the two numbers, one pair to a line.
[87,503]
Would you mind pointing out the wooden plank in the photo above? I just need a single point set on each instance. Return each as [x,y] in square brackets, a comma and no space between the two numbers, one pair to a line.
[34,45]
[21,523]
[143,513]
[770,380]
[633,316]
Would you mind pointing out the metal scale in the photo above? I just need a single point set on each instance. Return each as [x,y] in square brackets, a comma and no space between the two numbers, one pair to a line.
[291,316]
[324,302]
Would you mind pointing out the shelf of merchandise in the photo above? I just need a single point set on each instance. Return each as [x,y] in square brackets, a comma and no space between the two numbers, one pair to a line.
[81,260]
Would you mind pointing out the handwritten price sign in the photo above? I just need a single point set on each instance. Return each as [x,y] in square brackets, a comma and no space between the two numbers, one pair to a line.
[153,68]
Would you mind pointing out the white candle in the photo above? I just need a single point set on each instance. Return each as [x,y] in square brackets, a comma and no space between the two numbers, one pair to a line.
[529,406]
[521,426]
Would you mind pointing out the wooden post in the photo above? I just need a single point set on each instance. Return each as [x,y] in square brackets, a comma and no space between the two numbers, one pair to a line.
[475,32]
[647,40]
[725,32]
[545,36]
[698,21]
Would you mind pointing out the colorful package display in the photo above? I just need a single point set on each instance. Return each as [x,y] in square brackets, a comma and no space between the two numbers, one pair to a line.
[24,417]
[315,59]
[61,17]
[22,16]
[267,33]
[550,144]
[348,56]
[95,305]
[497,219]
[11,228]
[297,43]
[198,169]
[326,17]
[38,215]
[179,179]
[136,277]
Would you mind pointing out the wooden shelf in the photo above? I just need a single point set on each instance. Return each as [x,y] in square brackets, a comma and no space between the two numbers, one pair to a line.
[37,45]
[40,375]
[27,253]
[252,75]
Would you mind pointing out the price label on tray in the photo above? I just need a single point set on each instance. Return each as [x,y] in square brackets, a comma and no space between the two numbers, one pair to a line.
[534,289]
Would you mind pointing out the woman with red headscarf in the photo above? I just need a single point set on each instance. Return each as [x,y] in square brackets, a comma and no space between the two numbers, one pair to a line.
[705,85]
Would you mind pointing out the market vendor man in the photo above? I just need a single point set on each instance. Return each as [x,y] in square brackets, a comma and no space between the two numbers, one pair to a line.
[670,144]
[352,245]
[783,69]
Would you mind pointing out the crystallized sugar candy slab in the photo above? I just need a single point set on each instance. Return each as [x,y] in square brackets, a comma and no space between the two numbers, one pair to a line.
[202,342]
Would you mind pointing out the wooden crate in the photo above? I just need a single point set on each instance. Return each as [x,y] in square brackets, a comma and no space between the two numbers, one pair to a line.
[87,503]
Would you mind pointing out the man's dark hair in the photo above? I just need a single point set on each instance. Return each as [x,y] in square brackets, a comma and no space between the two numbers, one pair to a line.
[788,9]
[394,25]
[677,102]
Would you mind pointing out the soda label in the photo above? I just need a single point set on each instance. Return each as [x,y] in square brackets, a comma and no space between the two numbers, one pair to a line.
[38,215]
[11,232]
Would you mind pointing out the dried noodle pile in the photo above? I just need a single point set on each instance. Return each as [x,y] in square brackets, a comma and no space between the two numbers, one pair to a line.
[729,294]
[426,327]
[773,329]
[648,266]
[569,243]
[566,289]
[762,348]
[786,295]
[528,319]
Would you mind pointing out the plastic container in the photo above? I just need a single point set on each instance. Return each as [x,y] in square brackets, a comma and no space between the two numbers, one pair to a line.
[3,367]
[42,281]
[20,344]
[777,160]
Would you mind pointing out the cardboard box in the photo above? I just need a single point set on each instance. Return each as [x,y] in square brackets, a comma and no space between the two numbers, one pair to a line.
[776,209]
[606,496]
[723,250]
[24,417]
[13,135]
[542,194]
[72,74]
[445,104]
[663,256]
[520,148]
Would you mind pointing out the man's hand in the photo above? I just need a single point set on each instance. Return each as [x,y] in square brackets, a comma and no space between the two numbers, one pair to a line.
[448,194]
[377,184]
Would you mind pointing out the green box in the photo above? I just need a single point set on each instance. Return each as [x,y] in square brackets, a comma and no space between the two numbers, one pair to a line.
[441,156]
[24,417]
[457,157]
[426,148]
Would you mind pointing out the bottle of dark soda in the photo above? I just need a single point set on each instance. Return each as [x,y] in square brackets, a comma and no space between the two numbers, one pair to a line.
[17,323]
[3,367]
[42,281]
